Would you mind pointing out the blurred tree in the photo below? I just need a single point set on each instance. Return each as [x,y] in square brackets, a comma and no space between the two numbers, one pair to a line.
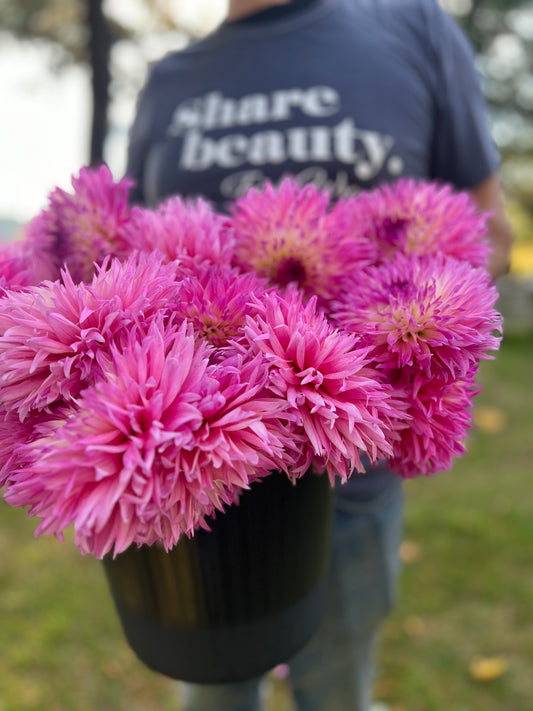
[100,41]
[86,31]
[502,34]
[82,32]
[61,22]
[79,31]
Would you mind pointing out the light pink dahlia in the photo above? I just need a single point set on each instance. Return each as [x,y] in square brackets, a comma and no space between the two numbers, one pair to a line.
[81,228]
[284,235]
[55,338]
[340,406]
[441,415]
[416,217]
[217,300]
[189,231]
[433,313]
[155,446]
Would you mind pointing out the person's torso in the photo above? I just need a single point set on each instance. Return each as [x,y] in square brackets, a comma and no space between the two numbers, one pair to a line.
[332,96]
[344,95]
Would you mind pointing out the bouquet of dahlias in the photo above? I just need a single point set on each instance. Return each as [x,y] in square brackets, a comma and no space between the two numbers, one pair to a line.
[155,363]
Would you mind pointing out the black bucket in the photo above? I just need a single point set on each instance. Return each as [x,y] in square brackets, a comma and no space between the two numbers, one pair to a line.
[231,603]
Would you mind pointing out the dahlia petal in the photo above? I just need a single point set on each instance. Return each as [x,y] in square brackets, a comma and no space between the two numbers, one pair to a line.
[82,228]
[331,405]
[284,235]
[415,217]
[187,231]
[456,324]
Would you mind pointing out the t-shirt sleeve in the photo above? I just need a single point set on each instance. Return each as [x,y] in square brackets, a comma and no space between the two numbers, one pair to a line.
[464,151]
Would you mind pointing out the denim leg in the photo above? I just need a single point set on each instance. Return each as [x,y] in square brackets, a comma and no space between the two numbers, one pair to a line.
[241,696]
[335,670]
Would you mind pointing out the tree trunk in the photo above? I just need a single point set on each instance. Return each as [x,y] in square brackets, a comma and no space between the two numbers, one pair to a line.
[100,50]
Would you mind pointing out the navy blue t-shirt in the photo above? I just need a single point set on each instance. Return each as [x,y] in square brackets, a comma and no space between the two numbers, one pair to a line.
[345,94]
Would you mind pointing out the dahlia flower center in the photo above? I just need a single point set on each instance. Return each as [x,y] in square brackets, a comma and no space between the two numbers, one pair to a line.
[218,333]
[401,285]
[288,270]
[392,231]
[60,243]
[414,325]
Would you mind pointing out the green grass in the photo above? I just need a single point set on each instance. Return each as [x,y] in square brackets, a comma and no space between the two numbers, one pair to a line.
[61,648]
[467,594]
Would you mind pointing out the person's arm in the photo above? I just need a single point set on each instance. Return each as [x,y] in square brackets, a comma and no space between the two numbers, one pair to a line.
[464,152]
[489,197]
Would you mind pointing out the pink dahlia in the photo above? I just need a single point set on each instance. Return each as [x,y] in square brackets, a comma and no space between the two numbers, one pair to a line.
[433,313]
[189,231]
[217,300]
[339,405]
[440,412]
[285,235]
[16,438]
[17,268]
[246,430]
[14,435]
[81,228]
[156,445]
[55,338]
[140,286]
[416,217]
[107,469]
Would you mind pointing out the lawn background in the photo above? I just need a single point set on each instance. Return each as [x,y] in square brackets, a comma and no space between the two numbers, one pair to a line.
[466,590]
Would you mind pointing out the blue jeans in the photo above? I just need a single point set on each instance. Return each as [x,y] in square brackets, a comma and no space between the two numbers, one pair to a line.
[334,671]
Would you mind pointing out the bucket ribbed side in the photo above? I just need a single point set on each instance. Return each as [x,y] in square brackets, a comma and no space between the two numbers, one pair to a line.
[230,603]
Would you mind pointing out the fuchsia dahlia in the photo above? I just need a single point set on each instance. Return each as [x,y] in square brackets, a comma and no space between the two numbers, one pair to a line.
[55,338]
[340,407]
[138,397]
[140,287]
[81,228]
[284,235]
[440,412]
[158,443]
[244,433]
[107,470]
[16,438]
[217,300]
[20,267]
[189,231]
[416,218]
[435,314]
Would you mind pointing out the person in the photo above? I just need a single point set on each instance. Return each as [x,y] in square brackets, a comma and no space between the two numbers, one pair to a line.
[345,94]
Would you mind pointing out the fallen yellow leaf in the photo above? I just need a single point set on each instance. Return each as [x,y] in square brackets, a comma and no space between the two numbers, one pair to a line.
[488,668]
[414,626]
[522,259]
[410,551]
[490,419]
